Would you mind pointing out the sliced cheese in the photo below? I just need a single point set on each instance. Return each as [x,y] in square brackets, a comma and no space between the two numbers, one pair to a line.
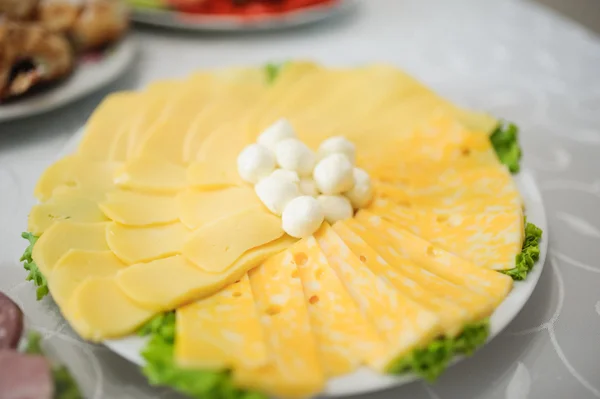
[139,209]
[434,259]
[491,240]
[294,369]
[142,244]
[99,310]
[477,305]
[75,267]
[151,175]
[64,236]
[105,124]
[69,205]
[215,246]
[219,174]
[345,338]
[166,284]
[198,208]
[89,178]
[403,323]
[222,331]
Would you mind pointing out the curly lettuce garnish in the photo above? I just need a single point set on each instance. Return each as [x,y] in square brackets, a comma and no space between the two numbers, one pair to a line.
[431,361]
[529,255]
[160,368]
[272,71]
[35,274]
[505,140]
[65,386]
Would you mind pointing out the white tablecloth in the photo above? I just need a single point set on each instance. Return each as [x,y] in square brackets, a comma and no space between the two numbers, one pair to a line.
[511,58]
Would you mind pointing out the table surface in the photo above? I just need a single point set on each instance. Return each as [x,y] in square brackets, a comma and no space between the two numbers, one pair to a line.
[512,58]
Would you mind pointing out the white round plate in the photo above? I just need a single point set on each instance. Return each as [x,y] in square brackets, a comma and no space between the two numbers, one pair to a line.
[88,76]
[365,380]
[188,21]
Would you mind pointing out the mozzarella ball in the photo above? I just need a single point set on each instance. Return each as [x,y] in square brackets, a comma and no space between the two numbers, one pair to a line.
[275,133]
[302,217]
[255,162]
[335,207]
[286,174]
[294,155]
[338,145]
[361,194]
[333,174]
[275,192]
[308,187]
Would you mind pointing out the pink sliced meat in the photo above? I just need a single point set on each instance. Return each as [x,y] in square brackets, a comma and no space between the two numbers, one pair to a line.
[25,376]
[11,323]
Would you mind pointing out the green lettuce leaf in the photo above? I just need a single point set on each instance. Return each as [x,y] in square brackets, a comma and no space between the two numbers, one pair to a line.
[65,386]
[272,70]
[505,140]
[35,274]
[529,255]
[160,368]
[431,361]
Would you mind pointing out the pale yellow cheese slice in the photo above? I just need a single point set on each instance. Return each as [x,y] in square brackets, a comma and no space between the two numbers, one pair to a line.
[89,178]
[142,244]
[221,332]
[99,310]
[70,205]
[75,267]
[477,305]
[198,208]
[403,323]
[294,369]
[166,284]
[213,175]
[215,246]
[452,317]
[105,124]
[446,265]
[490,240]
[345,338]
[63,236]
[151,175]
[138,209]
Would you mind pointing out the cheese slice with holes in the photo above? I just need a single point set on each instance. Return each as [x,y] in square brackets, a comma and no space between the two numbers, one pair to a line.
[143,244]
[452,317]
[75,267]
[100,310]
[64,236]
[151,175]
[215,246]
[105,124]
[139,209]
[91,179]
[477,305]
[70,205]
[403,323]
[294,369]
[491,240]
[345,338]
[168,283]
[434,259]
[198,208]
[222,331]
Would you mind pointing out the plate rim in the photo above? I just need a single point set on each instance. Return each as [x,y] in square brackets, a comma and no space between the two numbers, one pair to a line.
[195,22]
[122,55]
[354,384]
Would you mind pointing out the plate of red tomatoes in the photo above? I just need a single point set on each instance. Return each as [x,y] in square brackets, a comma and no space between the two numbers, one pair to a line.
[235,15]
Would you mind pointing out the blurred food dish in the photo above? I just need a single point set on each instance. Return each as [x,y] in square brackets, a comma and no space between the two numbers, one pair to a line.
[42,41]
[235,15]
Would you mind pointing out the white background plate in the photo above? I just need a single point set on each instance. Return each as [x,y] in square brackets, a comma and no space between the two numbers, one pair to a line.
[365,380]
[179,20]
[88,76]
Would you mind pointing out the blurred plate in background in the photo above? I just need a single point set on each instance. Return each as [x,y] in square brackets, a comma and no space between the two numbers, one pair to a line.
[170,18]
[91,74]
